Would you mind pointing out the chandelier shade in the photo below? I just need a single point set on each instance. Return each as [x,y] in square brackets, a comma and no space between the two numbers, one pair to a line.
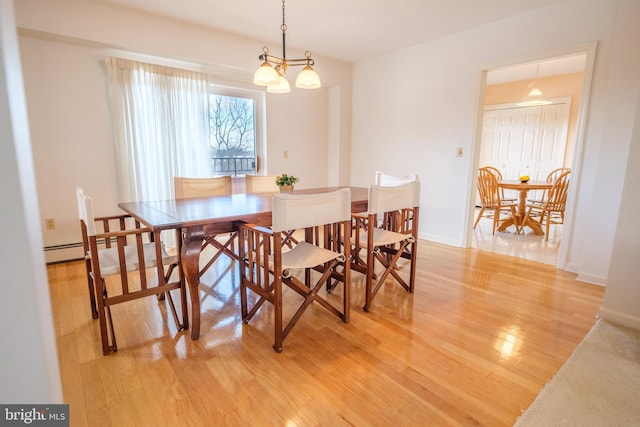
[281,87]
[534,98]
[266,75]
[271,72]
[308,79]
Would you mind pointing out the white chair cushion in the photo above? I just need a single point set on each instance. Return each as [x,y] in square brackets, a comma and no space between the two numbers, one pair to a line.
[304,255]
[384,237]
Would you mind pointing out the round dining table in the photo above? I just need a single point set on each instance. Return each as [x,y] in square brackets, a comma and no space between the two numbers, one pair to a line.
[520,220]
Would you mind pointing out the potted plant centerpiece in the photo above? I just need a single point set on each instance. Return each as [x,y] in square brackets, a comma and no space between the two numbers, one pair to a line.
[285,182]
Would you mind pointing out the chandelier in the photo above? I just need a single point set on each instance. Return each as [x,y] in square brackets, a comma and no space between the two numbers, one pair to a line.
[272,70]
[534,98]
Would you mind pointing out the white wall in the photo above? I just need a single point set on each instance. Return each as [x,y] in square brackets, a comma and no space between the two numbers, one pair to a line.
[623,283]
[429,103]
[29,369]
[63,44]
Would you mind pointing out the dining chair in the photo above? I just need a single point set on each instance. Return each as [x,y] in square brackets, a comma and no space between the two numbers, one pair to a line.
[119,222]
[190,188]
[551,178]
[266,264]
[260,184]
[551,209]
[498,176]
[491,204]
[394,213]
[132,267]
[386,180]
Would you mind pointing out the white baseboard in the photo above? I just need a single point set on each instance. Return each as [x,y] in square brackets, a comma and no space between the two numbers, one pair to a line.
[572,268]
[63,253]
[620,318]
[593,279]
[438,239]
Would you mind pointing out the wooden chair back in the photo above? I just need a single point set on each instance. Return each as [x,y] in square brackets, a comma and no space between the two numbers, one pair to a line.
[490,194]
[495,171]
[556,173]
[556,199]
[260,184]
[191,188]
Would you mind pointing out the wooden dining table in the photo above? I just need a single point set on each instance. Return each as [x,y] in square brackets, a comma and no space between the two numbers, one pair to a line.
[520,220]
[199,217]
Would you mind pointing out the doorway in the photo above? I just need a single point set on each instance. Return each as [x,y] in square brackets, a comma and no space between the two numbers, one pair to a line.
[561,79]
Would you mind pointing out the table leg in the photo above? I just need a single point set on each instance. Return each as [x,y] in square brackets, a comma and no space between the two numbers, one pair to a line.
[534,225]
[522,210]
[190,260]
[521,222]
[518,219]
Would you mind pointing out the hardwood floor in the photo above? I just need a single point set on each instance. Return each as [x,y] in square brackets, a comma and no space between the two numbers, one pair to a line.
[473,345]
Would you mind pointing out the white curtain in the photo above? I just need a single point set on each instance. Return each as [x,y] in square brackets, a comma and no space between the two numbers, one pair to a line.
[161,127]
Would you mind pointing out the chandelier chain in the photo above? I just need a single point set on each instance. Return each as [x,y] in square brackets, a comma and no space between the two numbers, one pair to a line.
[271,72]
[283,27]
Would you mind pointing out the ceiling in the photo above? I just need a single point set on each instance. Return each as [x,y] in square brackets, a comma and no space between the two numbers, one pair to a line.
[349,30]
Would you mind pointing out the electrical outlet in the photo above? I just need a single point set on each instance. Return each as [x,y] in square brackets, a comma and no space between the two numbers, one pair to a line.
[285,154]
[50,223]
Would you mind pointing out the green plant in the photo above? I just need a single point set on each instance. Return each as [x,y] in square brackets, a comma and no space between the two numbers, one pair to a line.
[284,179]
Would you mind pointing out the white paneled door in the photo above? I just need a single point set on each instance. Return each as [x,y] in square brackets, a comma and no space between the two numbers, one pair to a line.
[525,140]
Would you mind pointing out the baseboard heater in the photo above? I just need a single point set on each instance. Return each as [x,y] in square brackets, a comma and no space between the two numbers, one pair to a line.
[66,252]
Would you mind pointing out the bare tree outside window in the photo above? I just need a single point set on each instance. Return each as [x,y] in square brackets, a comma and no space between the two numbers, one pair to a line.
[233,135]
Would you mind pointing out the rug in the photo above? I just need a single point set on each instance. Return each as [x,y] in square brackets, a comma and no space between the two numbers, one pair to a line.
[599,385]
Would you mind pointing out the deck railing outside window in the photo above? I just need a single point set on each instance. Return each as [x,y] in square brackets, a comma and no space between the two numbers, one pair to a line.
[233,165]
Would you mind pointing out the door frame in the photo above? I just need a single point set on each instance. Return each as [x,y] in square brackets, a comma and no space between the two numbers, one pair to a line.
[589,49]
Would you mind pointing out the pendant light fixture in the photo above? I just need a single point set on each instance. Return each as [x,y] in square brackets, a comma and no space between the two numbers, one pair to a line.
[534,98]
[271,72]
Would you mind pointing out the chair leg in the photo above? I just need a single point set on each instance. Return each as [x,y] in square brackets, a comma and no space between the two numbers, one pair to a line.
[92,293]
[107,333]
[279,334]
[181,325]
[369,279]
[478,217]
[496,217]
[546,234]
[310,294]
[114,346]
[372,289]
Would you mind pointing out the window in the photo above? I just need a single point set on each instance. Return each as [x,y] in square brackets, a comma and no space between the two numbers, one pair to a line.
[172,122]
[235,126]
